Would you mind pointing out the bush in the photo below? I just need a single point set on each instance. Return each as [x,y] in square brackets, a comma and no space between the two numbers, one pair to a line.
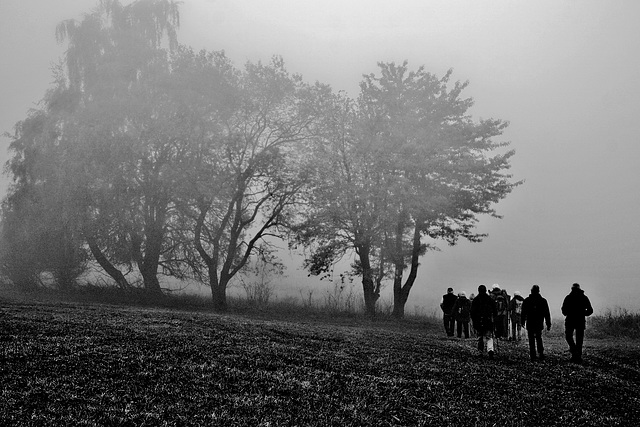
[616,323]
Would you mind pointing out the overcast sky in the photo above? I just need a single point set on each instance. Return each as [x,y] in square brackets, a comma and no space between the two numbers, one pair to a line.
[565,74]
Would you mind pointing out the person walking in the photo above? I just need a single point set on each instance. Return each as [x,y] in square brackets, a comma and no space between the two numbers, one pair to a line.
[472,330]
[461,313]
[483,314]
[502,304]
[446,304]
[576,307]
[535,312]
[515,310]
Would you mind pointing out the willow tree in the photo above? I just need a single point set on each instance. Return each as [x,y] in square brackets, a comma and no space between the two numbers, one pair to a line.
[117,59]
[110,131]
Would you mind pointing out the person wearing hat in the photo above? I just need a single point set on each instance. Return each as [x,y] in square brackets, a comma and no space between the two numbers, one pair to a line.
[515,310]
[461,313]
[446,304]
[535,312]
[483,313]
[576,307]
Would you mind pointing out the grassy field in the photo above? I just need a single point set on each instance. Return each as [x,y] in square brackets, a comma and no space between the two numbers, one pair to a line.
[91,364]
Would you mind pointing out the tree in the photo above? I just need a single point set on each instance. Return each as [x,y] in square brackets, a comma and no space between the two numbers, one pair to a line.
[250,169]
[100,160]
[407,162]
[124,133]
[39,234]
[346,210]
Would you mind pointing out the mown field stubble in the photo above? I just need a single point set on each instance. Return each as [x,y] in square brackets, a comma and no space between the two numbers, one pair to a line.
[84,364]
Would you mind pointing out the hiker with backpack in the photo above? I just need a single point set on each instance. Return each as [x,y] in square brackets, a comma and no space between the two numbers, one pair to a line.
[462,312]
[535,312]
[483,313]
[502,306]
[515,310]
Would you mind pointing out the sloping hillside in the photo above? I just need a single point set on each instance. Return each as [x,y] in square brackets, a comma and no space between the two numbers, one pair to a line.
[71,364]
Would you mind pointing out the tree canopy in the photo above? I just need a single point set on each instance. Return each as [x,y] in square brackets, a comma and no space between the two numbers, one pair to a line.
[404,163]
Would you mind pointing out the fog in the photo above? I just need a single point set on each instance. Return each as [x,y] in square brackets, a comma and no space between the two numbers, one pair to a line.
[565,74]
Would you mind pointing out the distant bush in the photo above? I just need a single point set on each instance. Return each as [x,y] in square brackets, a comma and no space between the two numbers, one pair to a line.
[616,323]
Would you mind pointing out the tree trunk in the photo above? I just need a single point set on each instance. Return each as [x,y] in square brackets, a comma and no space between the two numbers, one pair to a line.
[106,265]
[150,280]
[149,260]
[219,297]
[400,297]
[400,292]
[218,291]
[371,294]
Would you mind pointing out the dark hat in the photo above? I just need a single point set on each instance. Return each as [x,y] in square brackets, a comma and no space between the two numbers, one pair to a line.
[449,290]
[535,289]
[575,286]
[482,289]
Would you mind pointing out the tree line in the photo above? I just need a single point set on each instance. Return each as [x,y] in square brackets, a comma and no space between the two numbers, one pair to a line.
[147,158]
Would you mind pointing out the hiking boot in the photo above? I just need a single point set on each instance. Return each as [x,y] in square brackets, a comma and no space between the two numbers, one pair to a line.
[490,354]
[541,357]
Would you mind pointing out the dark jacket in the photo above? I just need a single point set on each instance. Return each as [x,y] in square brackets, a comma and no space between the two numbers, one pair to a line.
[576,307]
[516,301]
[483,311]
[462,309]
[500,297]
[448,300]
[535,312]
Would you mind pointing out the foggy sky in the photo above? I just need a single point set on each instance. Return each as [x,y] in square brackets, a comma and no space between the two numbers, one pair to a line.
[565,74]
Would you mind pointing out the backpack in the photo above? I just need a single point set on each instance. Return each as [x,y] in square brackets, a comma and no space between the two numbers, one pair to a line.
[463,308]
[501,305]
[518,309]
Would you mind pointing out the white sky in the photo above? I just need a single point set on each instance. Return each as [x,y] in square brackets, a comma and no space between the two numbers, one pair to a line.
[566,74]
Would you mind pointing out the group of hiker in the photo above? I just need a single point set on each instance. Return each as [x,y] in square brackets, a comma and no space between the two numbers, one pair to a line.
[489,314]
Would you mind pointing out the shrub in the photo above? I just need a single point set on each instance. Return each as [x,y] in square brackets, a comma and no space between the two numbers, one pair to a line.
[616,323]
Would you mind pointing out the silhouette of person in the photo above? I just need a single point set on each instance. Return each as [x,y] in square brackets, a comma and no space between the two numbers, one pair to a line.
[446,304]
[515,311]
[461,312]
[576,307]
[535,312]
[483,314]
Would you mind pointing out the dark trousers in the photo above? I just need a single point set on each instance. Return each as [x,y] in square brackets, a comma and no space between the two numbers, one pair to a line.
[535,337]
[449,324]
[574,346]
[501,329]
[462,325]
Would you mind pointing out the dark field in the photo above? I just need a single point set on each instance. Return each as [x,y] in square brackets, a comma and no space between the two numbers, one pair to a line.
[82,364]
